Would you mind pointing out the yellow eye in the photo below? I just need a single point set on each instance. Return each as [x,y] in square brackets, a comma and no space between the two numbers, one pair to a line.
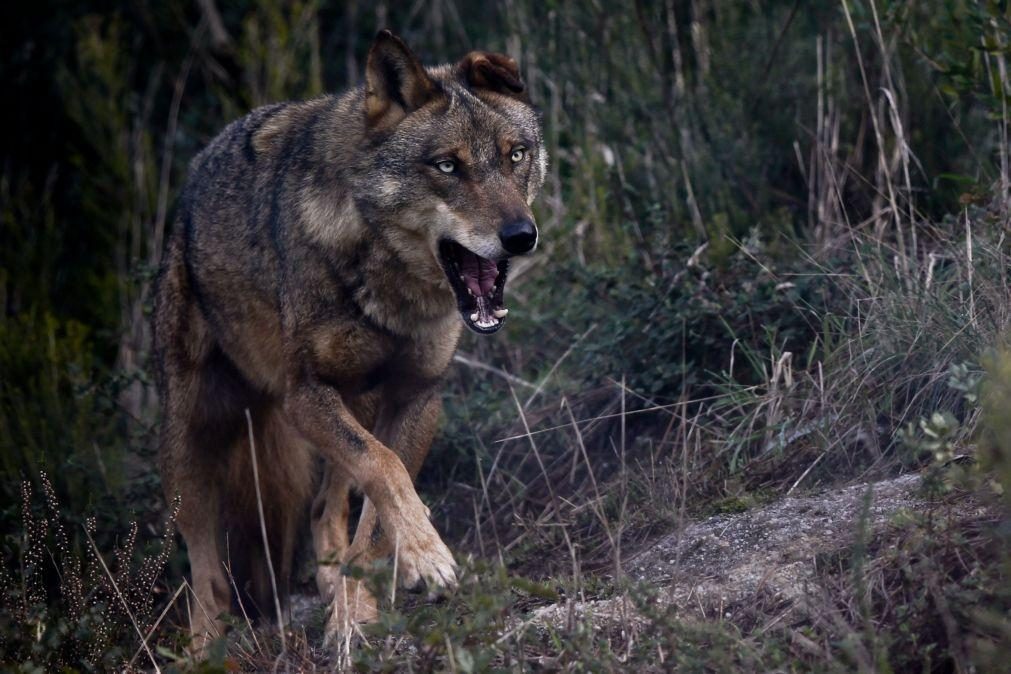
[446,166]
[518,154]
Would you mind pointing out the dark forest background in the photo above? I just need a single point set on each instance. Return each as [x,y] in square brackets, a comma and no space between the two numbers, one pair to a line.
[775,258]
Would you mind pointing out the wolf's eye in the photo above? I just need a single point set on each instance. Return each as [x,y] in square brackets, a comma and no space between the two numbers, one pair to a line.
[446,166]
[518,154]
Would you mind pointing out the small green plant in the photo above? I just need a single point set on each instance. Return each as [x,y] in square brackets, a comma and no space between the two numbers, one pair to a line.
[935,435]
[962,377]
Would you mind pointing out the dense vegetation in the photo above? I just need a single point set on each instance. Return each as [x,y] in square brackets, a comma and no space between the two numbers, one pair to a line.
[775,258]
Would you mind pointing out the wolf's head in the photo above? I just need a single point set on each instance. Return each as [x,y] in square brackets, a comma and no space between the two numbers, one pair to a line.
[456,160]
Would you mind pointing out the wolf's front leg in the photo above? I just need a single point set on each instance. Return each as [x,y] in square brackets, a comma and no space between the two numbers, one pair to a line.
[321,415]
[407,428]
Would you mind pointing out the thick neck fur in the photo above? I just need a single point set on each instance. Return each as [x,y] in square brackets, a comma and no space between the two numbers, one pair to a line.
[394,278]
[394,294]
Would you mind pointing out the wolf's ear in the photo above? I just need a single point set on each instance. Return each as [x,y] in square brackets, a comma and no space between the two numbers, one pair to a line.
[395,81]
[495,72]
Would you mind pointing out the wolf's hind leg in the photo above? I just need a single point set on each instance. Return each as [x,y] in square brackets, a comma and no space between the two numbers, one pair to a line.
[193,475]
[350,602]
[210,585]
[330,512]
[183,344]
[187,474]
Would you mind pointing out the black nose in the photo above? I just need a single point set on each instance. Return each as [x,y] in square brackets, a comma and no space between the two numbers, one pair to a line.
[518,236]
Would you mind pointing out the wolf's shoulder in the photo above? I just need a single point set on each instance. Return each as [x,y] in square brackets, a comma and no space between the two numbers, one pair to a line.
[248,136]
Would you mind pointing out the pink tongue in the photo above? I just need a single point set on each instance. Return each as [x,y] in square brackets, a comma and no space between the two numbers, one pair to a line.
[479,274]
[489,272]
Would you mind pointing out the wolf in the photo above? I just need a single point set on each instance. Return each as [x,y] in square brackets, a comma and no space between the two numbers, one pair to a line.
[324,259]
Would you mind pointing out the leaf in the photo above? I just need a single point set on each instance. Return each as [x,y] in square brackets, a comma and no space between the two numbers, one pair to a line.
[464,660]
[956,178]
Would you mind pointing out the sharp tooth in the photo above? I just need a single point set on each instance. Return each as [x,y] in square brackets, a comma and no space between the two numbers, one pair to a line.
[474,316]
[470,292]
[500,313]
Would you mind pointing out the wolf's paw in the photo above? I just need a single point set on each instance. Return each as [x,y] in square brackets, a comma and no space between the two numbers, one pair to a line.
[421,555]
[352,605]
[328,580]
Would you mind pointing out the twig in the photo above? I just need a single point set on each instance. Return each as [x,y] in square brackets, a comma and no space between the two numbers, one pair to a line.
[263,531]
[555,501]
[200,605]
[545,378]
[242,607]
[878,135]
[161,211]
[774,51]
[804,474]
[596,504]
[126,607]
[161,617]
[969,266]
[478,365]
[396,559]
[220,39]
[654,408]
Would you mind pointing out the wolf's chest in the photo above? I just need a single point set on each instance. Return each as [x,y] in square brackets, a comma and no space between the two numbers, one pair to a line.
[358,360]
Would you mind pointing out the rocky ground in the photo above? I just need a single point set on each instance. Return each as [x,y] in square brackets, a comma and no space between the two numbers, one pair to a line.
[727,564]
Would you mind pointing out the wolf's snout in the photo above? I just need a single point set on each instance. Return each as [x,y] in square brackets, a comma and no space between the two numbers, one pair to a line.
[518,236]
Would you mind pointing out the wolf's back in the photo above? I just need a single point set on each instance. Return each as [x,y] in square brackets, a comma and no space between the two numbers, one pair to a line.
[225,220]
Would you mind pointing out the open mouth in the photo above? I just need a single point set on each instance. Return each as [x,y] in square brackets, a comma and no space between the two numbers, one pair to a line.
[479,285]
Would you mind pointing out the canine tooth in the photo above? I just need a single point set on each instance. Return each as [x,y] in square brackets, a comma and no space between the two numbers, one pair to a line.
[474,316]
[500,313]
